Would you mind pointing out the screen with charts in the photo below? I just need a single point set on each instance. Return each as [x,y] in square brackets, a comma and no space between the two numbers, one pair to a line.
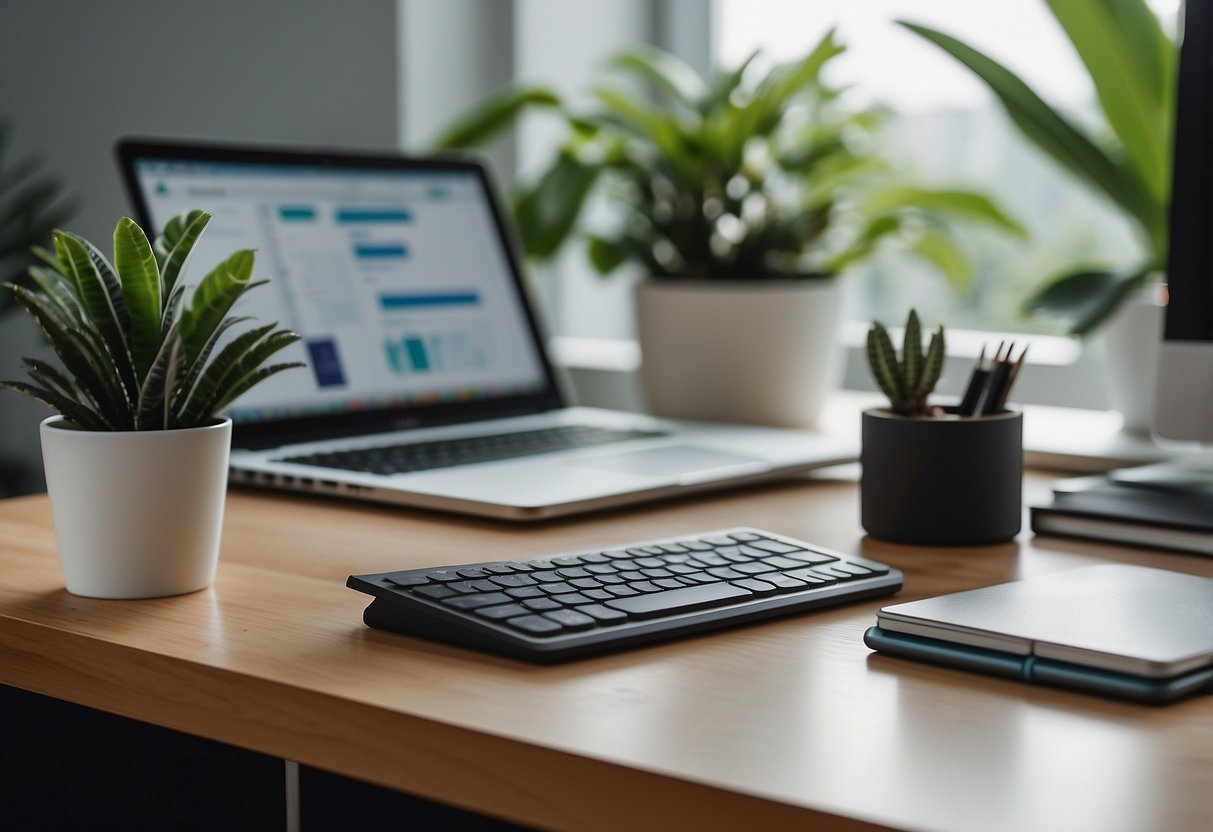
[398,281]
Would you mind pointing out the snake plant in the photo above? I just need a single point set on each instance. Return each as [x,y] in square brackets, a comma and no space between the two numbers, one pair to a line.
[751,173]
[1132,65]
[909,380]
[134,355]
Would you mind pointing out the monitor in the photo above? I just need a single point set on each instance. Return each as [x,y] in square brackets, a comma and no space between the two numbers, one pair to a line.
[1184,397]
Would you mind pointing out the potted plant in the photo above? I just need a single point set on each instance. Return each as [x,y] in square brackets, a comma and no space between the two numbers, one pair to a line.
[136,462]
[1132,64]
[740,197]
[935,475]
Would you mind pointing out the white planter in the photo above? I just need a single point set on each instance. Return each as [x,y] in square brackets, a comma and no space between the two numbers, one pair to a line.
[137,513]
[1131,344]
[760,353]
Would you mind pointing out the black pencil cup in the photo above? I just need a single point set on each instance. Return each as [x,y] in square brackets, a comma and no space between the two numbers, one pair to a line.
[948,481]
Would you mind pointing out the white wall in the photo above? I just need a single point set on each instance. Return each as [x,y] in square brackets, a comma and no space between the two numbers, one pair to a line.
[74,76]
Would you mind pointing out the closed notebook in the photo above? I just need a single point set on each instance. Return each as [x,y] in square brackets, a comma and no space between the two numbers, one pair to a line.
[1127,631]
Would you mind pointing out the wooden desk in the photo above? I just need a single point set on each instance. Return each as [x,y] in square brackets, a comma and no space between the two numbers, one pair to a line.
[779,725]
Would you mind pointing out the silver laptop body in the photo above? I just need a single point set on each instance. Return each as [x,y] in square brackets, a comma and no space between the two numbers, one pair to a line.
[399,275]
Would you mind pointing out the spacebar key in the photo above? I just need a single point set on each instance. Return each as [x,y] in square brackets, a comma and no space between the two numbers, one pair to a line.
[678,600]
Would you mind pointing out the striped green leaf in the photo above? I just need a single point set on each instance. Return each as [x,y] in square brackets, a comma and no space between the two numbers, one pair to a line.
[213,299]
[911,352]
[174,246]
[139,275]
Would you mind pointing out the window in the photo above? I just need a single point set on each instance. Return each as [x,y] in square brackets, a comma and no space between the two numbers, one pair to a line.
[949,130]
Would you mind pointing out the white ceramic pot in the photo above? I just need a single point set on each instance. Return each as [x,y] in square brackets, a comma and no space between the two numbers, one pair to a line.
[1131,345]
[137,514]
[763,352]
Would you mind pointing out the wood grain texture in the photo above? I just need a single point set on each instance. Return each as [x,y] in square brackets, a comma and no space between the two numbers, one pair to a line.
[773,726]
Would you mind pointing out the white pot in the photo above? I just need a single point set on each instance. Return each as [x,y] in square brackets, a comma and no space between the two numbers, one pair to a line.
[137,513]
[760,353]
[1131,345]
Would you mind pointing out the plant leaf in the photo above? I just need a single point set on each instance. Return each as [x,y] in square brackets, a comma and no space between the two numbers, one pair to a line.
[139,275]
[547,212]
[1131,63]
[932,366]
[941,252]
[1085,298]
[607,255]
[213,298]
[78,414]
[911,351]
[961,204]
[494,116]
[1042,125]
[156,394]
[175,245]
[882,359]
[234,364]
[243,385]
[664,71]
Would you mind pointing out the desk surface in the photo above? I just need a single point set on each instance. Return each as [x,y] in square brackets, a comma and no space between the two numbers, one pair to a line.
[772,726]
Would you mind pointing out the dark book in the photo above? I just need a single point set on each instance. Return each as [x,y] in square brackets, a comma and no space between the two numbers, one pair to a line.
[1123,511]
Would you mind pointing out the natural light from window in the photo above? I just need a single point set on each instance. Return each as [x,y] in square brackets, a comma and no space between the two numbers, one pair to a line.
[950,131]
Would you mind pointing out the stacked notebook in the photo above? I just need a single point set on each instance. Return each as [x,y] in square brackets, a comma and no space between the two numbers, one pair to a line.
[1165,506]
[1125,631]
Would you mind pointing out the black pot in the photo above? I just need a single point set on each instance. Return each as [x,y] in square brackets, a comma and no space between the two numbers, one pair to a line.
[950,481]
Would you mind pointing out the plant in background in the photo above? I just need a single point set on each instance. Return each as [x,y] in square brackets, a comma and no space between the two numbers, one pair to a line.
[134,356]
[750,174]
[31,207]
[1132,65]
[908,381]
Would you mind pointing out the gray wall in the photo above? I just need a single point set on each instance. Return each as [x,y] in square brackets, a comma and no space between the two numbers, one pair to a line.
[74,76]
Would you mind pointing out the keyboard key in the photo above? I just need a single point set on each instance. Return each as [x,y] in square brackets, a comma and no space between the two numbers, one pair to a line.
[473,572]
[601,569]
[679,600]
[781,582]
[542,604]
[557,588]
[434,591]
[780,562]
[746,537]
[657,573]
[443,575]
[572,599]
[718,540]
[567,560]
[546,576]
[595,557]
[644,586]
[525,592]
[570,619]
[756,586]
[597,594]
[754,568]
[649,563]
[573,572]
[621,591]
[861,568]
[463,587]
[585,583]
[776,547]
[471,602]
[601,613]
[535,625]
[838,571]
[812,557]
[504,611]
[407,578]
[812,576]
[726,572]
[669,583]
[513,580]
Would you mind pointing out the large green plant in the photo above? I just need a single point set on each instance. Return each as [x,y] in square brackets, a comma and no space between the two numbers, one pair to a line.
[1132,65]
[745,175]
[134,356]
[32,204]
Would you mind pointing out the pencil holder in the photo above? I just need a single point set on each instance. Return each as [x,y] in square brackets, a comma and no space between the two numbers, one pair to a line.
[949,481]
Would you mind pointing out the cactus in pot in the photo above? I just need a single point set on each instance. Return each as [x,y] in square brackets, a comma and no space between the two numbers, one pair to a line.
[909,379]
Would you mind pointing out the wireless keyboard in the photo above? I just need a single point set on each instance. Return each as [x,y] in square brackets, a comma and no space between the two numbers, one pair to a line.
[559,607]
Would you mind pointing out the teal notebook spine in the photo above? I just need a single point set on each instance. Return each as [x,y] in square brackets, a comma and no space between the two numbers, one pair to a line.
[1039,671]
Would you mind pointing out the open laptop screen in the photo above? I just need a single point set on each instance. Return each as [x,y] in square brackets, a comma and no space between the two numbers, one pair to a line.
[395,272]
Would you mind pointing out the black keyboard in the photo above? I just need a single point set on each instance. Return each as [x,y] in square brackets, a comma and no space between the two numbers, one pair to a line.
[562,606]
[466,450]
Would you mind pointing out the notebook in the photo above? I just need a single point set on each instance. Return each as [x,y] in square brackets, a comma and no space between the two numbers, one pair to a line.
[1127,631]
[428,383]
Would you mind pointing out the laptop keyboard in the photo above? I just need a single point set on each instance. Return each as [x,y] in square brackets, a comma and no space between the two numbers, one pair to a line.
[563,606]
[468,450]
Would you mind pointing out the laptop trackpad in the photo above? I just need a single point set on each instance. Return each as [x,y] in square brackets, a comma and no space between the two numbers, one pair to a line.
[685,463]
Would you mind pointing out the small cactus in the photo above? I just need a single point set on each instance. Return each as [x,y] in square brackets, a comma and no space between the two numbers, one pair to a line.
[908,381]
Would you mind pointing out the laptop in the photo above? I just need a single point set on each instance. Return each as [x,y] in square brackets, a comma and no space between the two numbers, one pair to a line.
[427,380]
[1127,631]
